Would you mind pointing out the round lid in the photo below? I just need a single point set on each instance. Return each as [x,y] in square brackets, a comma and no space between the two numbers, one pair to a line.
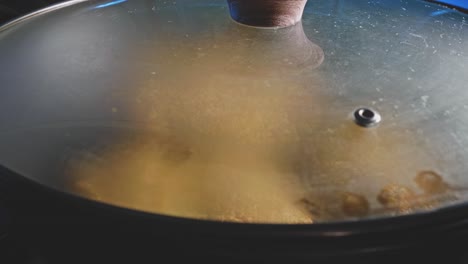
[171,107]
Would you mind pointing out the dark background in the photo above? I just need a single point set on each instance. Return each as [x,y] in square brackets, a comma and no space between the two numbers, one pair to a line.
[11,9]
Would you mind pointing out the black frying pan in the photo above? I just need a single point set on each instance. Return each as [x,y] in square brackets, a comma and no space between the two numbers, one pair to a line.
[76,229]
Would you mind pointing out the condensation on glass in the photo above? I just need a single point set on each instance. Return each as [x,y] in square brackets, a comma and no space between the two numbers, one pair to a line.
[171,107]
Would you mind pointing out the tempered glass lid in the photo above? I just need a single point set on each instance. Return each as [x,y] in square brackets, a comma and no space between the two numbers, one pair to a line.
[170,107]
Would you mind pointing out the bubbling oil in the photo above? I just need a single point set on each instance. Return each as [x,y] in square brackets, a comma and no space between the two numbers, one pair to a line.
[225,130]
[243,131]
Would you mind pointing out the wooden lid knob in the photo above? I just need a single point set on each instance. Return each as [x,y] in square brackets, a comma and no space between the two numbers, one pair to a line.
[267,13]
